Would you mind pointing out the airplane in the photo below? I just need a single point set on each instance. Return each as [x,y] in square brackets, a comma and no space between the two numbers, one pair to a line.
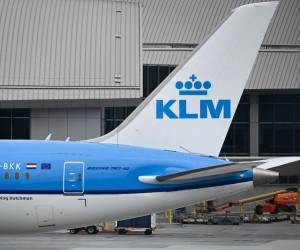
[163,156]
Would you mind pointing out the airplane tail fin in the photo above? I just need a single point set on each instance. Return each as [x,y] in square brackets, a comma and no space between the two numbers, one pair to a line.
[191,110]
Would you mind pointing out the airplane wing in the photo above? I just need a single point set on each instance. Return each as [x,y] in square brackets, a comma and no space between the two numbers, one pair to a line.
[199,173]
[262,171]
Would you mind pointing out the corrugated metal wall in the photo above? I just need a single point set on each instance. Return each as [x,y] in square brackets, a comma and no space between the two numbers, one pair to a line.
[78,49]
[173,22]
[276,70]
[69,49]
[190,21]
[165,56]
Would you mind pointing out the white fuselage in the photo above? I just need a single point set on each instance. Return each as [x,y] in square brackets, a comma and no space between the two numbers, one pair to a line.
[53,212]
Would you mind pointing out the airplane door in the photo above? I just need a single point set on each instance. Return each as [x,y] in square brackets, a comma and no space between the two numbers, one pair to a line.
[73,179]
[45,216]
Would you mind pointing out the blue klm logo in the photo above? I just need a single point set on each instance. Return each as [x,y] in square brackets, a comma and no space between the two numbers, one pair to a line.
[193,87]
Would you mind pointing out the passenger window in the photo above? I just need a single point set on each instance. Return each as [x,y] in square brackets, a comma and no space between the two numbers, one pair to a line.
[6,176]
[27,176]
[17,176]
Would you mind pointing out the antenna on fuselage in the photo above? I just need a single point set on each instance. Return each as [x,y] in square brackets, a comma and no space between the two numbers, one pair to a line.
[48,138]
[68,138]
[186,150]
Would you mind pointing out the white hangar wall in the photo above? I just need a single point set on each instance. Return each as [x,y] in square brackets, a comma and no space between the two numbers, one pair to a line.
[172,28]
[58,58]
[274,69]
[190,21]
[77,119]
[69,49]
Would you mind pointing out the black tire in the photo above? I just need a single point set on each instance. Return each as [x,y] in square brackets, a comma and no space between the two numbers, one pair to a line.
[148,231]
[214,222]
[74,231]
[277,210]
[122,231]
[292,209]
[259,209]
[91,230]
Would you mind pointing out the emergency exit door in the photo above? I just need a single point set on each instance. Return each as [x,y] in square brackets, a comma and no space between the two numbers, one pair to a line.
[73,182]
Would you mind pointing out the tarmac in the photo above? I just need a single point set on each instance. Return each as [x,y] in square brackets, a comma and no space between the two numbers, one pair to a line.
[280,235]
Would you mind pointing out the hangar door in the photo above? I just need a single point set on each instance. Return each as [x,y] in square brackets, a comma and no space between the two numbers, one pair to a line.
[73,178]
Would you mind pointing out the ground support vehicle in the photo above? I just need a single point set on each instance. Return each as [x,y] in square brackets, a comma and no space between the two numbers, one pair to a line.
[144,224]
[225,219]
[295,219]
[89,229]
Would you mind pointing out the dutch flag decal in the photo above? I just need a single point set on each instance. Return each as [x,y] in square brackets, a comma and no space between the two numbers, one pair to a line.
[31,165]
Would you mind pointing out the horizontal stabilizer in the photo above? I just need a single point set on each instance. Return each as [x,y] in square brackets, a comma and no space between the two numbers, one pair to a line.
[199,173]
[279,163]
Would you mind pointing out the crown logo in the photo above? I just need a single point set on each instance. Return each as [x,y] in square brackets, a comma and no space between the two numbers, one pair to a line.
[193,86]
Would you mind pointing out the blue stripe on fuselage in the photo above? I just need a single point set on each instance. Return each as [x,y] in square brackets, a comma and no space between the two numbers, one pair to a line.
[108,168]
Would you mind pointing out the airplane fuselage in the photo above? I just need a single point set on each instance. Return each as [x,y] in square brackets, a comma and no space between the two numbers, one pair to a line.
[47,185]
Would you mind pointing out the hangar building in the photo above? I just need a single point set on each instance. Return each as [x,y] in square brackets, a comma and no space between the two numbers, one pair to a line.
[77,68]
